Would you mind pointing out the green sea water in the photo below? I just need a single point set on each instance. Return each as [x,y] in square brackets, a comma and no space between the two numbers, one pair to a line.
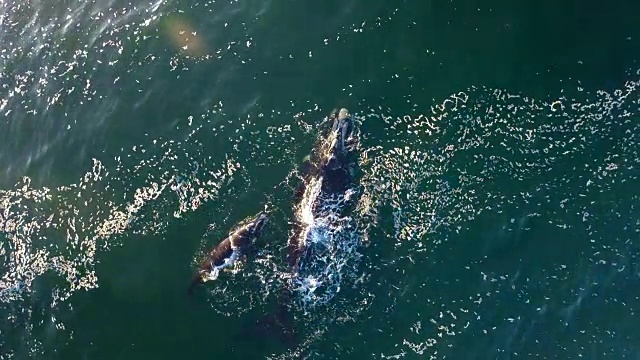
[499,154]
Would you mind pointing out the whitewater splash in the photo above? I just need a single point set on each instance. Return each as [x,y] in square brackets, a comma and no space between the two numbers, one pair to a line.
[333,250]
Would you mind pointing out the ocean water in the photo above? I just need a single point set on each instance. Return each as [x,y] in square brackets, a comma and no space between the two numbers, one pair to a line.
[499,152]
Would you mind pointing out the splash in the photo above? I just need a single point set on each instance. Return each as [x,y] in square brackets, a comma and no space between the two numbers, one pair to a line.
[333,242]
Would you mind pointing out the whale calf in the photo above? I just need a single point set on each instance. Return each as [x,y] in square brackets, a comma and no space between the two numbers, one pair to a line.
[230,250]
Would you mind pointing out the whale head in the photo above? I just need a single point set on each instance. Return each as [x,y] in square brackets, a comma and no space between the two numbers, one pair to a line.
[259,223]
[343,129]
[341,136]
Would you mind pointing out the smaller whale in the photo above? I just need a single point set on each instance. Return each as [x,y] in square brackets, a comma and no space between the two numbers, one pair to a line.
[230,250]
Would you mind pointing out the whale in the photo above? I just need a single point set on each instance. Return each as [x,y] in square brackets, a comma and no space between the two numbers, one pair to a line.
[228,252]
[327,179]
[328,176]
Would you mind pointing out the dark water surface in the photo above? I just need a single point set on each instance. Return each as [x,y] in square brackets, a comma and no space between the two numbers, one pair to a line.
[500,156]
